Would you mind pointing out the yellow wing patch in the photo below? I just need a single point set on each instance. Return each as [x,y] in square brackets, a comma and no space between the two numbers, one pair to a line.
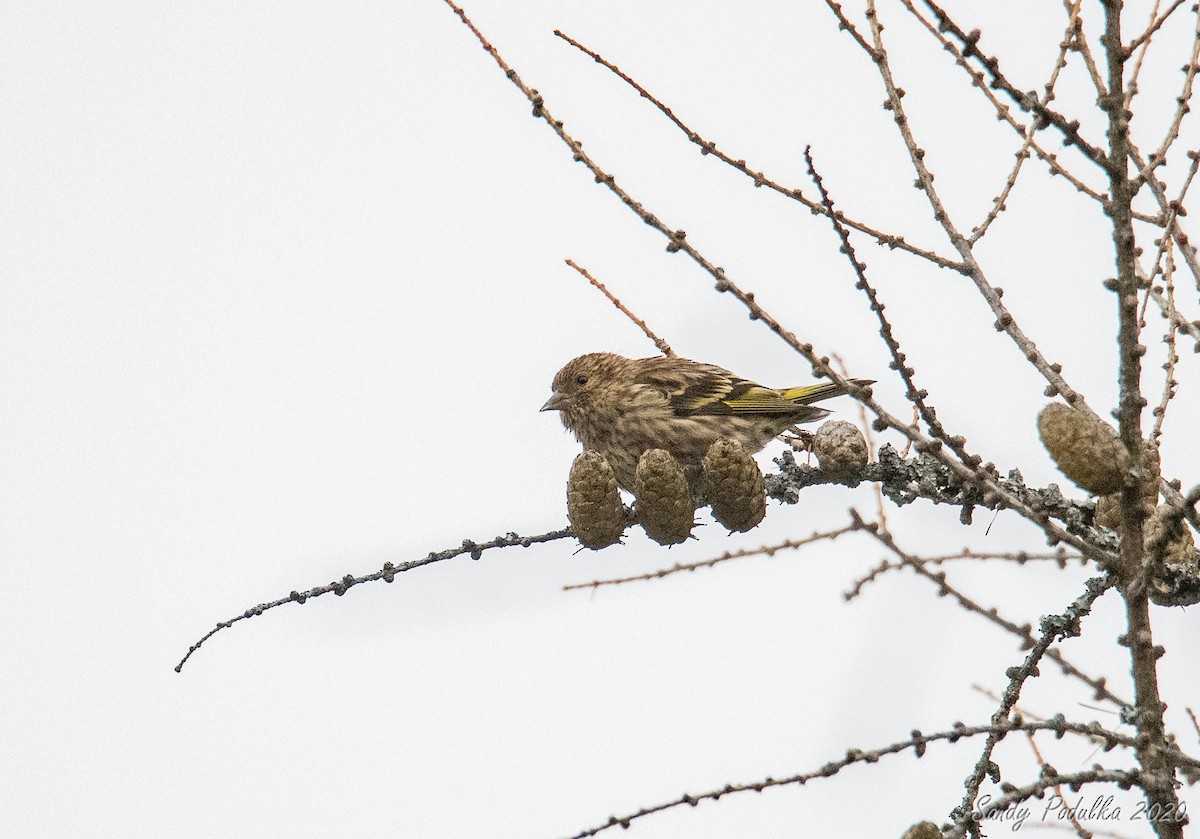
[747,396]
[815,393]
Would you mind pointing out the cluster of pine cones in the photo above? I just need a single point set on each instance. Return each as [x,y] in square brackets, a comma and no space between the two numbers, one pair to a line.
[731,484]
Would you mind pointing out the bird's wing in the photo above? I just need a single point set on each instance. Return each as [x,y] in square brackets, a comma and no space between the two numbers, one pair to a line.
[692,388]
[746,397]
[815,393]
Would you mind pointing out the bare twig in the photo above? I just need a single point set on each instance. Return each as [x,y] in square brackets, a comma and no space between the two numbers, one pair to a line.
[663,346]
[387,573]
[1183,102]
[899,363]
[1058,790]
[1066,625]
[980,81]
[1169,381]
[917,743]
[1000,202]
[1156,23]
[765,550]
[925,476]
[760,179]
[991,65]
[908,443]
[1157,774]
[1178,321]
[1060,557]
[1080,45]
[991,294]
[1170,209]
[1051,780]
[1004,112]
[1099,685]
[1142,48]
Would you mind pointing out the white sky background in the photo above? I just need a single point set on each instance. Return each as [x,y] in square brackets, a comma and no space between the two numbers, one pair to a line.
[283,288]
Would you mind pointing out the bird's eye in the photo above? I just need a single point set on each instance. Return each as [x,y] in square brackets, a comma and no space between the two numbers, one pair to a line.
[581,380]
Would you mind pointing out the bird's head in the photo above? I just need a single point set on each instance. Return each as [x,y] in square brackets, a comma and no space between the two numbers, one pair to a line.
[575,385]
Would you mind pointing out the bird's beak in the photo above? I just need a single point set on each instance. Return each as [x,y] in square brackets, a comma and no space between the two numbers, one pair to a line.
[556,402]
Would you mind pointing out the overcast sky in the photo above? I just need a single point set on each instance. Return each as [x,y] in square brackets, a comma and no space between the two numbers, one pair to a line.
[283,289]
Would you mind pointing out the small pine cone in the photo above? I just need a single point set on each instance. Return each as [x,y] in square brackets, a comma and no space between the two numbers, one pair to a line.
[1151,475]
[1108,508]
[1108,512]
[1182,552]
[1177,581]
[734,486]
[664,500]
[1085,449]
[840,449]
[923,830]
[593,503]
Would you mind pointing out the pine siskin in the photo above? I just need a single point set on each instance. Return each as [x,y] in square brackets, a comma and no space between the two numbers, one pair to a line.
[621,407]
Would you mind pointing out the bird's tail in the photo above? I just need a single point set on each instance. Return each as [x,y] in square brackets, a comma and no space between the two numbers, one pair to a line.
[815,393]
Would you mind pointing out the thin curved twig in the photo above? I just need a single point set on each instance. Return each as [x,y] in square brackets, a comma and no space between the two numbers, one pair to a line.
[663,346]
[387,573]
[1022,154]
[1158,157]
[1099,685]
[991,65]
[1060,557]
[1053,628]
[764,550]
[899,363]
[992,295]
[708,147]
[917,743]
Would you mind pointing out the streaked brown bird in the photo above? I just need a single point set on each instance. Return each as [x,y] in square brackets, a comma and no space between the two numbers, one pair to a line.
[622,407]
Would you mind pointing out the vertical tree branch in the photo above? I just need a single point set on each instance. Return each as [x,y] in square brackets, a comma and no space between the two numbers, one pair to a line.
[1157,772]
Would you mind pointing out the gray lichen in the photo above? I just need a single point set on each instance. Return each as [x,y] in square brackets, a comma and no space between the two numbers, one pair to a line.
[904,480]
